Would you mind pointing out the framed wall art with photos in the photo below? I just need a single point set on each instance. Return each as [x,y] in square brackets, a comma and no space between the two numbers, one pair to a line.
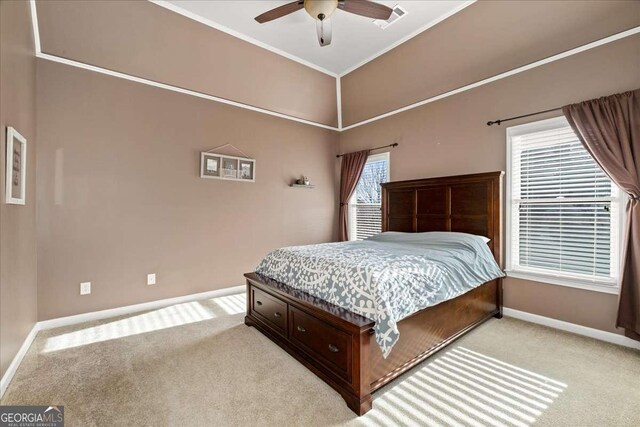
[16,179]
[221,166]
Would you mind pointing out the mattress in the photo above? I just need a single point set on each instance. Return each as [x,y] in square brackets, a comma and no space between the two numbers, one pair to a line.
[386,277]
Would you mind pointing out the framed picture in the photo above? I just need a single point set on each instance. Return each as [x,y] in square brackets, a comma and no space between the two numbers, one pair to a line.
[229,167]
[246,169]
[16,167]
[221,166]
[210,166]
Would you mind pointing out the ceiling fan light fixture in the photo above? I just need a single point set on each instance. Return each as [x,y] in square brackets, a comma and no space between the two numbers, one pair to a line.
[318,8]
[321,10]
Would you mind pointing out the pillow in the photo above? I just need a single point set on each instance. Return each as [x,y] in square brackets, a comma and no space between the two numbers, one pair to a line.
[398,236]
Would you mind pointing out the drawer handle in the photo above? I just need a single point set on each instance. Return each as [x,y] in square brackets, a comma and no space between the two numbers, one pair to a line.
[259,302]
[333,348]
[276,314]
[301,328]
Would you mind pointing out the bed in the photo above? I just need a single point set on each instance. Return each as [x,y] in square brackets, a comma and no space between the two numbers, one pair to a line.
[343,347]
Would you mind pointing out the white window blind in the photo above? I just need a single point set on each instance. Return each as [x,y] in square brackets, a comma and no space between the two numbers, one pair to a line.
[365,213]
[564,210]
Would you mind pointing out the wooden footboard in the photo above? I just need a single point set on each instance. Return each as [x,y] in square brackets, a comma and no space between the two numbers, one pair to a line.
[339,346]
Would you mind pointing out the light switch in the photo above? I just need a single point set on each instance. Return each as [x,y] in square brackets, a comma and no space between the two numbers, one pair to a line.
[151,279]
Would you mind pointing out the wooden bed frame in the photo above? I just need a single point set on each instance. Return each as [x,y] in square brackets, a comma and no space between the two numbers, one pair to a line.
[338,345]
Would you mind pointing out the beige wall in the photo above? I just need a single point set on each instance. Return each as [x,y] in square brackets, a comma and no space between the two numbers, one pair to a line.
[450,137]
[119,192]
[17,223]
[146,40]
[117,177]
[592,309]
[484,39]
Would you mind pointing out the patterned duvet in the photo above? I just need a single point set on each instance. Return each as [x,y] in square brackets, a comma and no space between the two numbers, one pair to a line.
[388,276]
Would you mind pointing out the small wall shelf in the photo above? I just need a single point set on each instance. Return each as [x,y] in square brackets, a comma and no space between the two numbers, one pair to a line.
[301,186]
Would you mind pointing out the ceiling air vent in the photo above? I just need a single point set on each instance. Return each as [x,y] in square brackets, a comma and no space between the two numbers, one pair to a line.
[398,12]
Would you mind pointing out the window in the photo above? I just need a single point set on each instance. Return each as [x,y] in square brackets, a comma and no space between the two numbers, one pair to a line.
[365,214]
[564,213]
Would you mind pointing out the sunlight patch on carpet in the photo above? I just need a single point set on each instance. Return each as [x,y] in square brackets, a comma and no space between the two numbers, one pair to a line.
[464,387]
[231,304]
[167,317]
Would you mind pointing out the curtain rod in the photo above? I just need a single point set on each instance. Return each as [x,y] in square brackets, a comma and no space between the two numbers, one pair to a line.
[395,144]
[497,122]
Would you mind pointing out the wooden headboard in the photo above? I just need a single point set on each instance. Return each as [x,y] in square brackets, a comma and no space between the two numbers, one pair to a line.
[464,203]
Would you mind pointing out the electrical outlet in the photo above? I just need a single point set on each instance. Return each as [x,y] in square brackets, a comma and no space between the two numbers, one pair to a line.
[85,288]
[151,279]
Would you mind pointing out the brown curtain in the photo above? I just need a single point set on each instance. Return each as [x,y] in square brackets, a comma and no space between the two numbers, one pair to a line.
[350,172]
[609,128]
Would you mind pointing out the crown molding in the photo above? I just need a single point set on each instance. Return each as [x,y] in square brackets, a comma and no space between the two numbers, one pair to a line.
[420,30]
[209,23]
[35,27]
[178,89]
[339,102]
[340,127]
[181,11]
[532,65]
[77,64]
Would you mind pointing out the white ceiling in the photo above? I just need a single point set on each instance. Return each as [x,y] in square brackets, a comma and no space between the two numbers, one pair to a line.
[356,39]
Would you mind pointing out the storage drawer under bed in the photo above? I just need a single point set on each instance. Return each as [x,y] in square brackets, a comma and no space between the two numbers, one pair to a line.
[269,309]
[325,343]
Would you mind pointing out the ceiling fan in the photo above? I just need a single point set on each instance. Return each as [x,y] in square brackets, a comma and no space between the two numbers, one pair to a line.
[321,10]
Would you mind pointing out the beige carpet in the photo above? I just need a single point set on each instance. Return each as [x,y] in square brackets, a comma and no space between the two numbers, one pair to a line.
[197,364]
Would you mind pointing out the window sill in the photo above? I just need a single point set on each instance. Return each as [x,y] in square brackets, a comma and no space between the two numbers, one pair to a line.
[603,287]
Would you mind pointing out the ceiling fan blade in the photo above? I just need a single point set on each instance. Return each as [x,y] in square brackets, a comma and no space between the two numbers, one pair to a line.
[366,8]
[323,28]
[279,12]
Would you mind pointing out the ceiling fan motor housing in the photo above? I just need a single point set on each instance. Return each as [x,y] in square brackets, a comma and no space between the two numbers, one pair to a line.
[320,9]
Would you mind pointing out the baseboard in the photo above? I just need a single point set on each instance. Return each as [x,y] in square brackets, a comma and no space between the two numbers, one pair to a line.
[572,327]
[130,309]
[17,360]
[103,314]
